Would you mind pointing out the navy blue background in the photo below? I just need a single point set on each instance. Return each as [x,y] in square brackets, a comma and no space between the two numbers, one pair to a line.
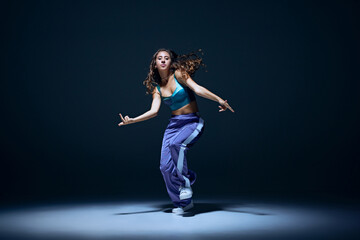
[290,70]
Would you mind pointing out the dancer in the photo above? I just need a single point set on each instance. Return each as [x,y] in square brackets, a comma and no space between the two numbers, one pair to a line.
[171,74]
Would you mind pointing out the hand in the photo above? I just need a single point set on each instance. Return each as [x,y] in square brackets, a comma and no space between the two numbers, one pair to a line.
[224,106]
[125,121]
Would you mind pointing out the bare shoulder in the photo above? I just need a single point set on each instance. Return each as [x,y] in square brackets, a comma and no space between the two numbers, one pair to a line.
[155,92]
[189,82]
[179,76]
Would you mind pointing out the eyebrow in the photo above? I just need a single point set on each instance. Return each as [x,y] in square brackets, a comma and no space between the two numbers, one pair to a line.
[165,56]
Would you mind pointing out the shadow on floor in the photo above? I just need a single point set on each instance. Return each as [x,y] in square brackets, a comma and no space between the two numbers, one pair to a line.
[199,208]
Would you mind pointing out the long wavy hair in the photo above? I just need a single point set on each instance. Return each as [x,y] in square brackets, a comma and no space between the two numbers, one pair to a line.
[187,64]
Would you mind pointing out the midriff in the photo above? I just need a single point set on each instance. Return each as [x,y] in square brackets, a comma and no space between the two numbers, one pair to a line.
[189,108]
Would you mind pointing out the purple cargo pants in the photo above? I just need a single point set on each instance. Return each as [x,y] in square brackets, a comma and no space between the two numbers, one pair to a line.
[181,133]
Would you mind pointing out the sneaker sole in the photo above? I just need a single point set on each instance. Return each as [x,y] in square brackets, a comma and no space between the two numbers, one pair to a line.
[178,213]
[186,208]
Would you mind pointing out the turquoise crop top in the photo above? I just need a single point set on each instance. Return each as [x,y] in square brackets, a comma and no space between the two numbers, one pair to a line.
[179,98]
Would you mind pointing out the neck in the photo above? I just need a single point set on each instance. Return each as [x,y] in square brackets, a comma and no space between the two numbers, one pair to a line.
[164,75]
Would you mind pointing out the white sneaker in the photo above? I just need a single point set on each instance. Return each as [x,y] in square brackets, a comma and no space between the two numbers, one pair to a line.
[181,210]
[185,193]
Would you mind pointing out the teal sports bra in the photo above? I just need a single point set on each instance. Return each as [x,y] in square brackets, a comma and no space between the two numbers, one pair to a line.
[181,96]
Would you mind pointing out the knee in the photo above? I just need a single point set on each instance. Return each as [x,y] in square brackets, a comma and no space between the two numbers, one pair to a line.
[164,167]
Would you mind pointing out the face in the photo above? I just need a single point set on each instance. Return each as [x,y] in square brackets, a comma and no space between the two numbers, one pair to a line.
[163,60]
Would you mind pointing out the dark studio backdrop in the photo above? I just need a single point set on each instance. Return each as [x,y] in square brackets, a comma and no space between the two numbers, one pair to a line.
[289,69]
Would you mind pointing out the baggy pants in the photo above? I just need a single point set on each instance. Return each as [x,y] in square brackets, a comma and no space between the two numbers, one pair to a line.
[181,133]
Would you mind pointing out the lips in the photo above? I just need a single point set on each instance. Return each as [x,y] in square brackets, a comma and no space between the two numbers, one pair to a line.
[163,65]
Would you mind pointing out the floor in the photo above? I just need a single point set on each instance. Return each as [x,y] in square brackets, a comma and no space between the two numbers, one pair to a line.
[210,219]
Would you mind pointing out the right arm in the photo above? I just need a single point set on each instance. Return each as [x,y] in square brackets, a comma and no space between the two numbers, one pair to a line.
[155,106]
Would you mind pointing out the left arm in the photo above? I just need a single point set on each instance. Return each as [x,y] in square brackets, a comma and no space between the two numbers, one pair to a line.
[202,91]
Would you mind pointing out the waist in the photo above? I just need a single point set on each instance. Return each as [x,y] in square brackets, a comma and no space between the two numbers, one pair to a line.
[189,108]
[181,116]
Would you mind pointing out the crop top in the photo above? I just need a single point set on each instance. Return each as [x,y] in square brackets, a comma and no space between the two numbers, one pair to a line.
[181,96]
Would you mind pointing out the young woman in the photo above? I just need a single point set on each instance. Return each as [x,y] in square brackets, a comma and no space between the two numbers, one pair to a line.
[171,74]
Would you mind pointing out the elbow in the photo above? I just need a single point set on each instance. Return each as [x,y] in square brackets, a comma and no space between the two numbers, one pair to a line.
[154,113]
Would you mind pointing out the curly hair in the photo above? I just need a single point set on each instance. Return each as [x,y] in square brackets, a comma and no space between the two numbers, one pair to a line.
[187,64]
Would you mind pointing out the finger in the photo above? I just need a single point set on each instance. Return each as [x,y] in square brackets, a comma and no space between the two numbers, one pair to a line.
[228,106]
[231,109]
[121,117]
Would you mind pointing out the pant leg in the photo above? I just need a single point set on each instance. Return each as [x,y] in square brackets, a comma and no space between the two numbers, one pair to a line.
[168,168]
[173,163]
